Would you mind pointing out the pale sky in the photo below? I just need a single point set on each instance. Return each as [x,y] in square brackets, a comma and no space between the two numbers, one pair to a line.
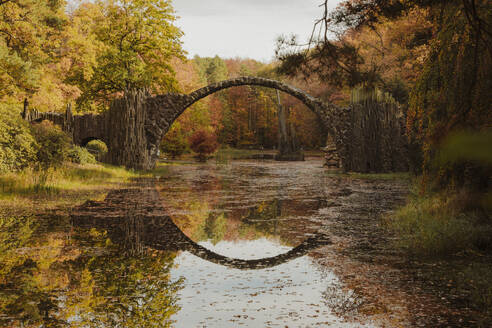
[244,28]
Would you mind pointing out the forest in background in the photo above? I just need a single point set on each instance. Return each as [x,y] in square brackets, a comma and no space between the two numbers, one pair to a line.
[241,117]
[433,56]
[90,55]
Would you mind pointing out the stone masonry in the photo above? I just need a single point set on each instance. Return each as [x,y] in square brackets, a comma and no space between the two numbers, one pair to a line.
[134,125]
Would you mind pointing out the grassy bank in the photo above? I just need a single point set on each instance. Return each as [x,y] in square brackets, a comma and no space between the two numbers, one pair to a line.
[31,191]
[442,224]
[373,176]
[452,234]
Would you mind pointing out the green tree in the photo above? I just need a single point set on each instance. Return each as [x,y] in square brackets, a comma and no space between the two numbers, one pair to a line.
[17,145]
[174,142]
[211,69]
[136,40]
[53,145]
[98,148]
[30,39]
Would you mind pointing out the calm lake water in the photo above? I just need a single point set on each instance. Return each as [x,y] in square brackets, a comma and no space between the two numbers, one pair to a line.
[208,245]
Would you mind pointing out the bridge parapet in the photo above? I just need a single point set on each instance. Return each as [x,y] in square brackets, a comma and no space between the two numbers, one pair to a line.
[82,128]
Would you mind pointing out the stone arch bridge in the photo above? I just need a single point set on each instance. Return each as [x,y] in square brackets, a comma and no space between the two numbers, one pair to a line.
[134,125]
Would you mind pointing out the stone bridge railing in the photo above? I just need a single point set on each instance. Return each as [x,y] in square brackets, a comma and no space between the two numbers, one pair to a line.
[83,128]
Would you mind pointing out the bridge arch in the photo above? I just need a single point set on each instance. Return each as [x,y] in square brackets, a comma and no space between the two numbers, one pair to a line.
[86,140]
[163,110]
[302,249]
[134,125]
[323,111]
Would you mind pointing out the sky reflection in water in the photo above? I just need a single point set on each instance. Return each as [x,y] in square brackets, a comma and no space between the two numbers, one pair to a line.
[291,293]
[250,211]
[186,254]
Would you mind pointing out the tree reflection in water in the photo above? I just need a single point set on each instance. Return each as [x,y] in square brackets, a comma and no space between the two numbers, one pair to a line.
[341,301]
[49,279]
[145,224]
[122,287]
[110,267]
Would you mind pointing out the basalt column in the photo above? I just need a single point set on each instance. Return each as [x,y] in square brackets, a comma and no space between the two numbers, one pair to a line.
[127,141]
[288,146]
[376,138]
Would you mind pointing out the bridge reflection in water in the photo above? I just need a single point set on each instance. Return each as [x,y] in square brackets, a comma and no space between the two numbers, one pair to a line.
[147,257]
[136,219]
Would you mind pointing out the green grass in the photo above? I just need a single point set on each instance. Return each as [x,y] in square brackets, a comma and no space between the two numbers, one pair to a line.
[440,224]
[161,170]
[226,154]
[30,191]
[383,176]
[452,231]
[68,177]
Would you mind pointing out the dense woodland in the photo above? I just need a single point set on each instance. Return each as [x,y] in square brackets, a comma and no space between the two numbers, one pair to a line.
[434,57]
[90,55]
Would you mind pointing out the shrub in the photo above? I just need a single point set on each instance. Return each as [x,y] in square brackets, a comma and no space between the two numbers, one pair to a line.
[98,148]
[203,143]
[81,155]
[174,142]
[53,145]
[440,224]
[17,145]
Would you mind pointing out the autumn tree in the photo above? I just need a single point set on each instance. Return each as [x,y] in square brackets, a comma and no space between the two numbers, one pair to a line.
[174,142]
[452,95]
[240,116]
[203,143]
[30,43]
[449,48]
[136,41]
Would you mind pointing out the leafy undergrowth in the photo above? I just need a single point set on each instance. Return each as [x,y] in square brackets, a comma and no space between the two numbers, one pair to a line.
[442,224]
[453,233]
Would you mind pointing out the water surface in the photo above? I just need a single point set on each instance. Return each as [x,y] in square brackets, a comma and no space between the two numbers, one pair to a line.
[237,244]
[251,210]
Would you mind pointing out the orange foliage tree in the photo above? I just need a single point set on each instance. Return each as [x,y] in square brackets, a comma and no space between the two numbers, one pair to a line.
[203,143]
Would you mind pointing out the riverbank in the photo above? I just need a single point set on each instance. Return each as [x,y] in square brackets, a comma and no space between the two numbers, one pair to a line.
[226,154]
[428,260]
[30,192]
[446,238]
[406,290]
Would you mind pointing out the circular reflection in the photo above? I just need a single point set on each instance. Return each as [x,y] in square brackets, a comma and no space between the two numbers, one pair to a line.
[135,219]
